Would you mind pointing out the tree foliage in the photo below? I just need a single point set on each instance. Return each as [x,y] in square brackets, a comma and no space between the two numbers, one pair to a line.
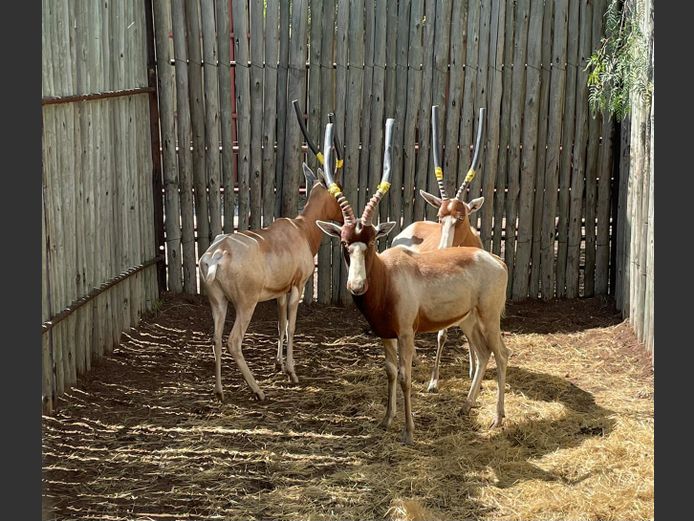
[618,70]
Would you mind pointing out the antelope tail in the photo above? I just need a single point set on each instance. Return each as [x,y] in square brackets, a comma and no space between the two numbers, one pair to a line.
[212,265]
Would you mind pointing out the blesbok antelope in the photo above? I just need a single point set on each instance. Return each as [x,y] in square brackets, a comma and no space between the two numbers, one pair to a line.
[452,229]
[402,292]
[253,266]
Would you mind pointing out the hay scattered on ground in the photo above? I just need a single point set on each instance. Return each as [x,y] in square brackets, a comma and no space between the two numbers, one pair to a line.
[143,438]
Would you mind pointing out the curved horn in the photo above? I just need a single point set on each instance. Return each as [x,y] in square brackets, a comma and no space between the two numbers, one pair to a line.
[302,125]
[336,142]
[384,185]
[438,171]
[333,187]
[475,158]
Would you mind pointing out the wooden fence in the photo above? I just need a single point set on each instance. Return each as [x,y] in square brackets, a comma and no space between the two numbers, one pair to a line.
[98,213]
[547,165]
[634,288]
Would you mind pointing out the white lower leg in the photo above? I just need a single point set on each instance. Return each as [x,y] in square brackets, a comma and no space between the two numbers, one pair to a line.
[440,341]
[281,330]
[292,308]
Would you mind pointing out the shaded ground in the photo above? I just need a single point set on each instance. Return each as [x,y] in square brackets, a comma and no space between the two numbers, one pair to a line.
[142,436]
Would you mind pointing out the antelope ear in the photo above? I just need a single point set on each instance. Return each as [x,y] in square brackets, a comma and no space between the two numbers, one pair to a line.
[309,175]
[475,205]
[431,199]
[383,229]
[321,176]
[332,229]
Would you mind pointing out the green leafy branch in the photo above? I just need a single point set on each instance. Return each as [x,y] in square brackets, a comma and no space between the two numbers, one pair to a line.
[618,70]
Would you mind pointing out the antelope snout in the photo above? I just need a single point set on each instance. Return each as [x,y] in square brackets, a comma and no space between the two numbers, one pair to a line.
[357,287]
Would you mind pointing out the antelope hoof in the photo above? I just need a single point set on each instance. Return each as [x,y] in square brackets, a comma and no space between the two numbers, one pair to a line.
[259,395]
[385,422]
[465,409]
[279,365]
[433,386]
[219,394]
[497,421]
[292,377]
[407,438]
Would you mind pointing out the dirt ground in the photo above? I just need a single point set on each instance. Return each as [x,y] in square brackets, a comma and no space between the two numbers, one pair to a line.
[142,436]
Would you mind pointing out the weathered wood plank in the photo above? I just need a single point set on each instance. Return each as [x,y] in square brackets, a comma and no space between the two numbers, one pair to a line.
[257,31]
[505,123]
[339,275]
[594,126]
[622,226]
[122,228]
[53,208]
[210,67]
[390,88]
[403,44]
[327,103]
[224,44]
[459,30]
[602,259]
[270,83]
[197,112]
[649,304]
[425,84]
[296,89]
[556,108]
[366,151]
[567,139]
[536,267]
[168,143]
[282,106]
[243,109]
[376,119]
[496,58]
[413,112]
[482,94]
[439,86]
[528,166]
[313,105]
[575,224]
[470,104]
[518,103]
[77,55]
[353,109]
[185,158]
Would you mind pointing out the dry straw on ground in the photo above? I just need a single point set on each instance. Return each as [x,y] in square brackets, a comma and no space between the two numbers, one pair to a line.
[143,438]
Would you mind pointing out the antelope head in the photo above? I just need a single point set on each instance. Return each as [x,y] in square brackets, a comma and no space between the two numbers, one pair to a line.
[358,235]
[452,211]
[317,194]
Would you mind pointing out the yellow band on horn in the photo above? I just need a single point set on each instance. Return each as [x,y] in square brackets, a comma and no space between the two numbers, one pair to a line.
[319,157]
[338,163]
[438,172]
[470,176]
[334,189]
[383,187]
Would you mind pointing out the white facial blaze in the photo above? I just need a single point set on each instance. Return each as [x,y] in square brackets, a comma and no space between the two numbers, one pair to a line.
[447,231]
[356,277]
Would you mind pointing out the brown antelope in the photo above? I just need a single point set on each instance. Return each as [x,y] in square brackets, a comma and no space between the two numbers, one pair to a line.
[253,266]
[452,229]
[402,292]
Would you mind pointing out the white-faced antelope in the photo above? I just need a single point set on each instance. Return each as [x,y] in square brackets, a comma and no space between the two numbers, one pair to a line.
[402,292]
[452,229]
[253,266]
